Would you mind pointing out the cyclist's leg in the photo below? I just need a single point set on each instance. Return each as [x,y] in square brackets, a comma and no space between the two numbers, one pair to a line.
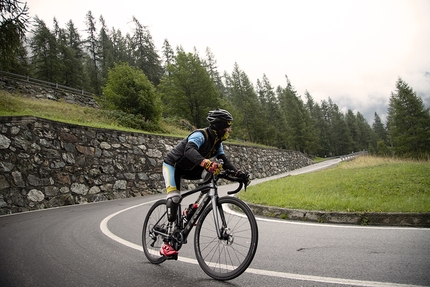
[173,198]
[172,190]
[172,177]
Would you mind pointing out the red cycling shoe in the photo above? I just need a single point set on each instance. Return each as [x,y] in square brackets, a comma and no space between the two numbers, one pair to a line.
[168,250]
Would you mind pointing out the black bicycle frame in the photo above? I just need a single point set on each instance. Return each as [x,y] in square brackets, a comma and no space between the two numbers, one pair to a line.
[210,193]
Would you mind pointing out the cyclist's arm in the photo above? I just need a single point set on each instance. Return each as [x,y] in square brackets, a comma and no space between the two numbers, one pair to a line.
[195,140]
[227,163]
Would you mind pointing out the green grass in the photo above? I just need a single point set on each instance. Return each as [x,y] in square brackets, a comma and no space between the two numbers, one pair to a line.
[19,105]
[366,184]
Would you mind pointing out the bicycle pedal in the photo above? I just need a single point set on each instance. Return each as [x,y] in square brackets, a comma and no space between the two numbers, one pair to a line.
[173,257]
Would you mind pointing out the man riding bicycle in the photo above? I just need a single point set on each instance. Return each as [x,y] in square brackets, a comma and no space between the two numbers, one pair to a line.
[191,157]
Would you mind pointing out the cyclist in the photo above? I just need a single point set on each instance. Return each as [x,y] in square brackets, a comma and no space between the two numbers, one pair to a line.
[191,157]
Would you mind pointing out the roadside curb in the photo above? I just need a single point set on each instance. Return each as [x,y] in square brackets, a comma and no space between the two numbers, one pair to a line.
[365,218]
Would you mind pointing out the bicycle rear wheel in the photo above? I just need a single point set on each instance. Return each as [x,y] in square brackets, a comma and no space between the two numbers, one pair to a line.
[226,258]
[156,218]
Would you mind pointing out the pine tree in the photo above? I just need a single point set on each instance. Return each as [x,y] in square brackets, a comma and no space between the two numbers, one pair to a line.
[119,46]
[327,146]
[367,140]
[354,130]
[187,90]
[338,131]
[211,66]
[168,55]
[91,45]
[70,56]
[317,125]
[298,119]
[77,77]
[105,51]
[144,53]
[379,129]
[272,118]
[44,50]
[408,122]
[13,26]
[245,105]
[380,135]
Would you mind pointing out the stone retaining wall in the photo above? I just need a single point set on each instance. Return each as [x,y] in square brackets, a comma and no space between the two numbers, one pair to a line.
[47,164]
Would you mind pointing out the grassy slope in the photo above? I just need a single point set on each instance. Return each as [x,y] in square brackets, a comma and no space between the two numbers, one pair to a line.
[370,184]
[18,105]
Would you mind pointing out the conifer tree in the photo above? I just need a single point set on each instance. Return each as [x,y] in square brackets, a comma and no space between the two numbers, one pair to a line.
[144,53]
[187,90]
[297,117]
[119,46]
[381,135]
[76,76]
[70,56]
[408,122]
[168,55]
[211,66]
[14,20]
[91,45]
[367,140]
[105,50]
[44,51]
[317,126]
[272,118]
[245,104]
[354,130]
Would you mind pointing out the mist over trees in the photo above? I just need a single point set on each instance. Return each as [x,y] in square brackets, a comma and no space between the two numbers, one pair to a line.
[130,75]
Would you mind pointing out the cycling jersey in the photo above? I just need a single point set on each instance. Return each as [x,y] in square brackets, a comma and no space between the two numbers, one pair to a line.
[192,150]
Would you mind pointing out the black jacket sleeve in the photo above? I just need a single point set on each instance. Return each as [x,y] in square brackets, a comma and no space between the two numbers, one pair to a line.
[227,163]
[192,153]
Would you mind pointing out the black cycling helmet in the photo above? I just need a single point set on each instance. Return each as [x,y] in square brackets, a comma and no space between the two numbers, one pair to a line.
[219,119]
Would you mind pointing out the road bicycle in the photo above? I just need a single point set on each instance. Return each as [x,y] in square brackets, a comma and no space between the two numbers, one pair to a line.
[226,234]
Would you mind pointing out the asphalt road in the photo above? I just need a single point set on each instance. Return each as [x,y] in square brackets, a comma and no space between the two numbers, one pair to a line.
[99,245]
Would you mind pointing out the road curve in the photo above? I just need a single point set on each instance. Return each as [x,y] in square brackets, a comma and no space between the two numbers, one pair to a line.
[99,245]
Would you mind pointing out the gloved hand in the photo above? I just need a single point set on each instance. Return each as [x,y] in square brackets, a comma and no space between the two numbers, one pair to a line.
[244,176]
[212,167]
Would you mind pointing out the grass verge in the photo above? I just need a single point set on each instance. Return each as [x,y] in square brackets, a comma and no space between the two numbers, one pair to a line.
[19,105]
[365,184]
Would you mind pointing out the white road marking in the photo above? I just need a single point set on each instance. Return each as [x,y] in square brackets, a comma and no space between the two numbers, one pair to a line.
[328,280]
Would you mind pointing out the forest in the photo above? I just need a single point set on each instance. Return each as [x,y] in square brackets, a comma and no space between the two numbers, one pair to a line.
[127,73]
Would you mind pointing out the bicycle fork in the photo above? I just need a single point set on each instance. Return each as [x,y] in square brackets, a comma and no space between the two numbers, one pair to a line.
[223,233]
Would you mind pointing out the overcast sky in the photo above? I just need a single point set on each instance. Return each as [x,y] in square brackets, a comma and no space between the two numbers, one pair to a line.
[352,51]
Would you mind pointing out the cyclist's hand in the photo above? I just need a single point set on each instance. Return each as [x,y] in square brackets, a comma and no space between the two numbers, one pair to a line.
[244,177]
[211,166]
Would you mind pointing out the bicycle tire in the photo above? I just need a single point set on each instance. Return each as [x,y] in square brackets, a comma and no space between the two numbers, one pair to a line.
[156,213]
[226,259]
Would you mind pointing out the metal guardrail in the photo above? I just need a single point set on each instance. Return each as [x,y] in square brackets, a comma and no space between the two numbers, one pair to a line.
[352,155]
[45,83]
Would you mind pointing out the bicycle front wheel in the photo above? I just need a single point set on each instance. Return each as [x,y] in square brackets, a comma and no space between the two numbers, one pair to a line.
[227,257]
[155,220]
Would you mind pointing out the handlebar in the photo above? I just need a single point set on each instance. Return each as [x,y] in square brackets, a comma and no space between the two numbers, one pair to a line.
[230,175]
